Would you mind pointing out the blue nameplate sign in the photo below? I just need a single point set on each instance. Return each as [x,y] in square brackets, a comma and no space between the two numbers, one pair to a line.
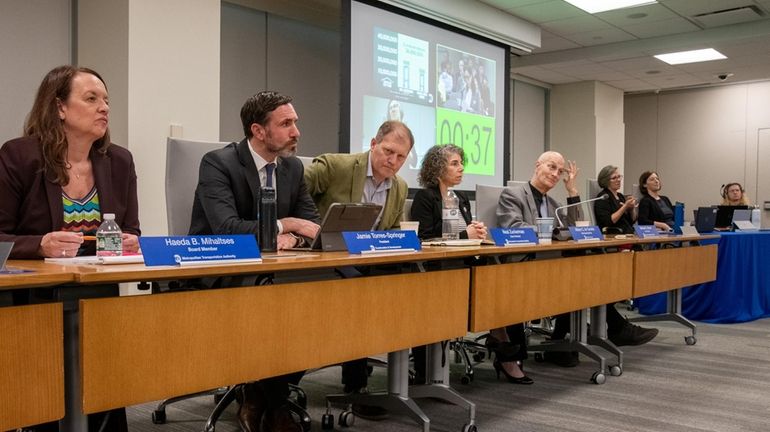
[646,231]
[363,242]
[586,234]
[514,236]
[211,249]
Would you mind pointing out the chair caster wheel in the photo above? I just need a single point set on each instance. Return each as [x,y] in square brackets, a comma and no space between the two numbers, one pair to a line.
[347,419]
[539,357]
[466,379]
[159,416]
[327,422]
[598,378]
[469,428]
[616,370]
[690,340]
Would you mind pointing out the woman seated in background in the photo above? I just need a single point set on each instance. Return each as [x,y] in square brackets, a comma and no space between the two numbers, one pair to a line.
[734,195]
[654,208]
[618,211]
[57,181]
[442,168]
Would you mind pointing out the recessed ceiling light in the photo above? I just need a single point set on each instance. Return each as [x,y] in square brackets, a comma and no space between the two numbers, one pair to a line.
[595,6]
[694,56]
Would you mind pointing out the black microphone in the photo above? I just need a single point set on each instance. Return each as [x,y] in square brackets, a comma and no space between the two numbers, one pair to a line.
[558,232]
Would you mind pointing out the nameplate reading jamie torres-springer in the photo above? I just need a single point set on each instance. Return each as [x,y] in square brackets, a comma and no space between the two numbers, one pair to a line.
[210,249]
[366,242]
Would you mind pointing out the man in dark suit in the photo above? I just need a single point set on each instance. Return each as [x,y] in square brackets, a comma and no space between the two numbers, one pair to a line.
[226,202]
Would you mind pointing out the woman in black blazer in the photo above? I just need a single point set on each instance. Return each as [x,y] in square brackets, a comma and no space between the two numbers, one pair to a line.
[654,209]
[442,168]
[618,211]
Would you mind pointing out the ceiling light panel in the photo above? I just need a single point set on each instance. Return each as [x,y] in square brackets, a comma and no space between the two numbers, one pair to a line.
[596,6]
[693,56]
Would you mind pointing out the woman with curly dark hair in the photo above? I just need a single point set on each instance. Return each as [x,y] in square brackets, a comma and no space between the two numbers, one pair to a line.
[442,168]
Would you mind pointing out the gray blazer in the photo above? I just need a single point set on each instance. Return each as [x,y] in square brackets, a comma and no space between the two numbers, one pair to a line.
[517,208]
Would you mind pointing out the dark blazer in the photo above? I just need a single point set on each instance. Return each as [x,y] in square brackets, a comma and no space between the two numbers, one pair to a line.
[226,198]
[603,210]
[650,212]
[31,205]
[426,208]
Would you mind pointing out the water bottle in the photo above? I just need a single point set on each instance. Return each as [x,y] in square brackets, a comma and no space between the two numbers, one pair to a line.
[678,217]
[756,217]
[109,237]
[450,216]
[268,220]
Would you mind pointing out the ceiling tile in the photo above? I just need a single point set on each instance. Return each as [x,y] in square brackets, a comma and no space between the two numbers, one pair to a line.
[661,28]
[636,63]
[600,37]
[675,81]
[547,76]
[509,4]
[631,85]
[694,7]
[580,24]
[547,11]
[555,44]
[623,17]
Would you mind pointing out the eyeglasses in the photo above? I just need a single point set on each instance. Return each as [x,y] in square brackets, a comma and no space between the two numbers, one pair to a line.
[616,177]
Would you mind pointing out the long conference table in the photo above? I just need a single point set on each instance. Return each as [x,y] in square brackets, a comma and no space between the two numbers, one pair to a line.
[123,351]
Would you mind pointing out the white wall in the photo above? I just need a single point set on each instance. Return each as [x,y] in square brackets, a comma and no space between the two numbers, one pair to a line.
[698,139]
[529,128]
[29,50]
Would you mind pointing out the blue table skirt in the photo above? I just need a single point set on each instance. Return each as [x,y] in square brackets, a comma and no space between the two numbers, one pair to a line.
[741,291]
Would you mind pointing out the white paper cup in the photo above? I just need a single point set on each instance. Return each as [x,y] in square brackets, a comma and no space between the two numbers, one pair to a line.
[410,225]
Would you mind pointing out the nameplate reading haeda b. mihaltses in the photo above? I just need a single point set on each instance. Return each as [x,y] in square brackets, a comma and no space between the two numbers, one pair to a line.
[191,250]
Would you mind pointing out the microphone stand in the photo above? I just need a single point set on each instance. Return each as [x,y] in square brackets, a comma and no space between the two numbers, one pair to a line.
[562,233]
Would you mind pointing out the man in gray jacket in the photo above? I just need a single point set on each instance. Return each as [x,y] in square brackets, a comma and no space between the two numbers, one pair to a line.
[521,205]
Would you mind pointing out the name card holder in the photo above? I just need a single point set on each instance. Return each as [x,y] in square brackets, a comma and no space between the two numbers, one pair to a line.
[586,234]
[524,236]
[646,231]
[199,250]
[372,242]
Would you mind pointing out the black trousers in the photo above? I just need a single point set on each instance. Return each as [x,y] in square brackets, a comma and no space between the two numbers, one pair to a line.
[615,322]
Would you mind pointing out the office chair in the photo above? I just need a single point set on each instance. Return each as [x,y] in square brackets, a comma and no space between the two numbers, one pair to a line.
[182,161]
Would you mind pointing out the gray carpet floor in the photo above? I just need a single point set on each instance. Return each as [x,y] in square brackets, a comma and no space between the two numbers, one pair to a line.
[721,384]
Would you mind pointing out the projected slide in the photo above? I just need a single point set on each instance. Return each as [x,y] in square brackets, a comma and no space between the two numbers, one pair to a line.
[446,87]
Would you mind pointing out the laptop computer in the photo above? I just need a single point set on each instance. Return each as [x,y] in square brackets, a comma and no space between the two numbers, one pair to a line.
[343,217]
[705,219]
[725,216]
[5,252]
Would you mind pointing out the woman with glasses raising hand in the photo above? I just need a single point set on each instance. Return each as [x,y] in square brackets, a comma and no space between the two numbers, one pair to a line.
[618,211]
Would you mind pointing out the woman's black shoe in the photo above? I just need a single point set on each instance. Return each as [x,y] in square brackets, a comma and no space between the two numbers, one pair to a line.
[525,380]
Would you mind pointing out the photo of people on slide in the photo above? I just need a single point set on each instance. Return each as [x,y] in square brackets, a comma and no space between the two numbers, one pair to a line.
[464,82]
